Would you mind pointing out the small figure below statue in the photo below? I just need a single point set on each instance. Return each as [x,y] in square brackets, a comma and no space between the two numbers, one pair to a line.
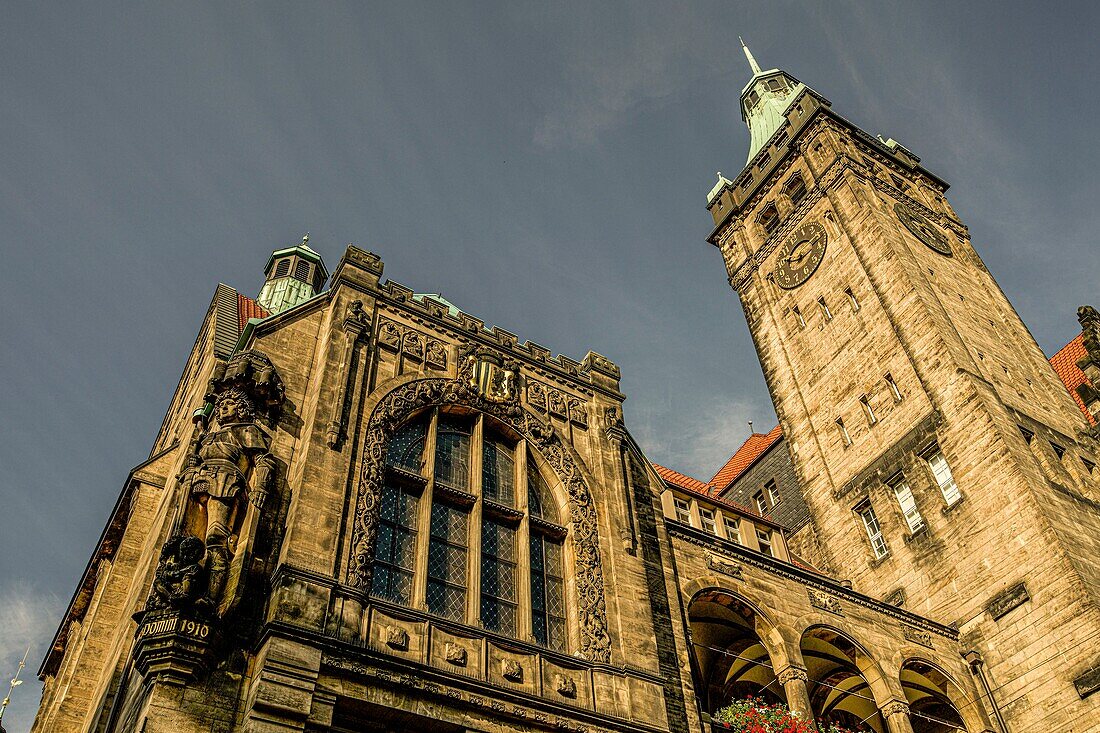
[223,488]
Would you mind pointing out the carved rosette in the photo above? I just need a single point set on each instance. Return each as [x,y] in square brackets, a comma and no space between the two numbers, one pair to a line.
[397,406]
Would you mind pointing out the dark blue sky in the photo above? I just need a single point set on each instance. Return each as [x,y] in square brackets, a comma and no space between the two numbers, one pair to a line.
[543,165]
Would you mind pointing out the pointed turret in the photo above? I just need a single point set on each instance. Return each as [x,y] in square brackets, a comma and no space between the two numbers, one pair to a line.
[294,275]
[764,101]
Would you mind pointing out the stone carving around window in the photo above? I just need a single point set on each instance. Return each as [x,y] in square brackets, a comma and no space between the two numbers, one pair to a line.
[400,404]
[223,490]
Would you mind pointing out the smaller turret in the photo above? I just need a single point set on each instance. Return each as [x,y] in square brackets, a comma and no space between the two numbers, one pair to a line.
[294,275]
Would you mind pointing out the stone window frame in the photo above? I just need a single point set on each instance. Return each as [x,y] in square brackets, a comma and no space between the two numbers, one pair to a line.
[482,509]
[872,528]
[907,503]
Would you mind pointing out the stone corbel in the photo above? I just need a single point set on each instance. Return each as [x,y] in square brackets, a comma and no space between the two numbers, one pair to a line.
[356,322]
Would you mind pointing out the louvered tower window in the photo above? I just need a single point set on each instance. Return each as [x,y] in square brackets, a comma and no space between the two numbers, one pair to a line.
[301,271]
[282,268]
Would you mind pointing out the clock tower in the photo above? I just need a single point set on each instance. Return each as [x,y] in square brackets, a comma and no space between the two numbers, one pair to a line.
[945,466]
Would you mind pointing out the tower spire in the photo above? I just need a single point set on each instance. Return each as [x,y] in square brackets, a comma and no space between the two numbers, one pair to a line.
[748,54]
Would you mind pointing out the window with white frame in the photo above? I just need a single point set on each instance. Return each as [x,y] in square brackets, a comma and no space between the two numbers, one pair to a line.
[706,520]
[733,528]
[683,510]
[844,435]
[907,502]
[868,411]
[773,492]
[942,473]
[895,392]
[798,316]
[472,577]
[828,314]
[852,301]
[761,502]
[764,538]
[874,530]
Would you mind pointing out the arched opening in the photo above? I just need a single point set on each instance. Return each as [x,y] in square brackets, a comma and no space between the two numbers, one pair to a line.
[928,692]
[839,690]
[730,660]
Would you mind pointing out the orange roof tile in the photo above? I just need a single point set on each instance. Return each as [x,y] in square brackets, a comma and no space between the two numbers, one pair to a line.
[1065,366]
[756,445]
[248,308]
[678,479]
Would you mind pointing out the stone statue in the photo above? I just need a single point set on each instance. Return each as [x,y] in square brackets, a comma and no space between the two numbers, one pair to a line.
[224,486]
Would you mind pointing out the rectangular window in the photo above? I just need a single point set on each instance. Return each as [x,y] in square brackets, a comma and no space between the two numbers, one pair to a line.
[547,592]
[852,301]
[498,577]
[706,520]
[764,537]
[733,529]
[1058,450]
[798,316]
[395,546]
[773,492]
[874,532]
[942,473]
[843,431]
[452,453]
[908,503]
[761,502]
[894,391]
[870,413]
[825,309]
[447,547]
[683,510]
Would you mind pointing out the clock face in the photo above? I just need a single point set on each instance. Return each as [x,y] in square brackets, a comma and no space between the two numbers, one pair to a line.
[923,229]
[800,256]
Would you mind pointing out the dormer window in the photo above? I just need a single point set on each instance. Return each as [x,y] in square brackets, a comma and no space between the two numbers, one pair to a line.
[795,188]
[769,218]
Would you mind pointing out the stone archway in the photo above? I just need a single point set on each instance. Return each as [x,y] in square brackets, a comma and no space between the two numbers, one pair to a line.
[403,402]
[932,698]
[841,677]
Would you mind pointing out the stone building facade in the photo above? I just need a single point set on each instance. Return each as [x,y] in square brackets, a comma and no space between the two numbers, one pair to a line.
[366,511]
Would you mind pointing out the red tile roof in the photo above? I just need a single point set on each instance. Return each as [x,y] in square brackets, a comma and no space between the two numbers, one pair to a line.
[248,308]
[1065,366]
[756,445]
[678,479]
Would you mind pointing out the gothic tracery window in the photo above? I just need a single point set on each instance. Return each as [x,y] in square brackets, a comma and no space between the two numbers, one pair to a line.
[471,501]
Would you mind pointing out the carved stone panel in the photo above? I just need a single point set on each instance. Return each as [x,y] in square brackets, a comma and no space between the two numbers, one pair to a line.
[724,566]
[919,636]
[1006,601]
[824,601]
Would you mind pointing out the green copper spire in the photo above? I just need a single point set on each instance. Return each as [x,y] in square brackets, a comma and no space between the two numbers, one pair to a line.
[764,102]
[294,275]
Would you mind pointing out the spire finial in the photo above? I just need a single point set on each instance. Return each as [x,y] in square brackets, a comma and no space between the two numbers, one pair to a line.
[748,54]
[305,239]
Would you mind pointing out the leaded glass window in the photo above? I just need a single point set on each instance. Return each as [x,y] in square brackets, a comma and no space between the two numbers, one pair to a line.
[547,592]
[447,562]
[498,473]
[395,545]
[498,577]
[406,448]
[481,547]
[452,452]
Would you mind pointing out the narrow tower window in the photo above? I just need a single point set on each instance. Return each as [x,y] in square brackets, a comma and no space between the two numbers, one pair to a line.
[907,503]
[843,432]
[825,309]
[795,188]
[798,317]
[867,410]
[769,218]
[874,532]
[894,391]
[852,299]
[942,473]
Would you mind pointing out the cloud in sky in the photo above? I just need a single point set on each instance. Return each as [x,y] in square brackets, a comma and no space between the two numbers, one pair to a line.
[29,616]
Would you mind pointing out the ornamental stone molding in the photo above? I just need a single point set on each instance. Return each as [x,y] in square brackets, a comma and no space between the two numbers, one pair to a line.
[792,673]
[402,403]
[895,707]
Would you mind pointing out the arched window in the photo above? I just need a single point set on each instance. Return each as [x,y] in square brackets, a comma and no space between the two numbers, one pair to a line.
[795,188]
[493,547]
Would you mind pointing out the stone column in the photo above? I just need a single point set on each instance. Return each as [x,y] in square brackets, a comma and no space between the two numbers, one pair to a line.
[896,714]
[793,679]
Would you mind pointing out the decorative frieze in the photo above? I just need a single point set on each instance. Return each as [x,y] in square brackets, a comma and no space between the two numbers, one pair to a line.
[548,400]
[724,566]
[918,636]
[413,344]
[824,601]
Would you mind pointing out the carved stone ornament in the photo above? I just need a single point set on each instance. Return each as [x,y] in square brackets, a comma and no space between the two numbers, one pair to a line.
[917,635]
[435,354]
[724,566]
[1007,600]
[565,685]
[511,670]
[557,403]
[792,673]
[400,404]
[397,638]
[536,396]
[222,491]
[824,601]
[896,707]
[389,335]
[577,413]
[413,345]
[455,654]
